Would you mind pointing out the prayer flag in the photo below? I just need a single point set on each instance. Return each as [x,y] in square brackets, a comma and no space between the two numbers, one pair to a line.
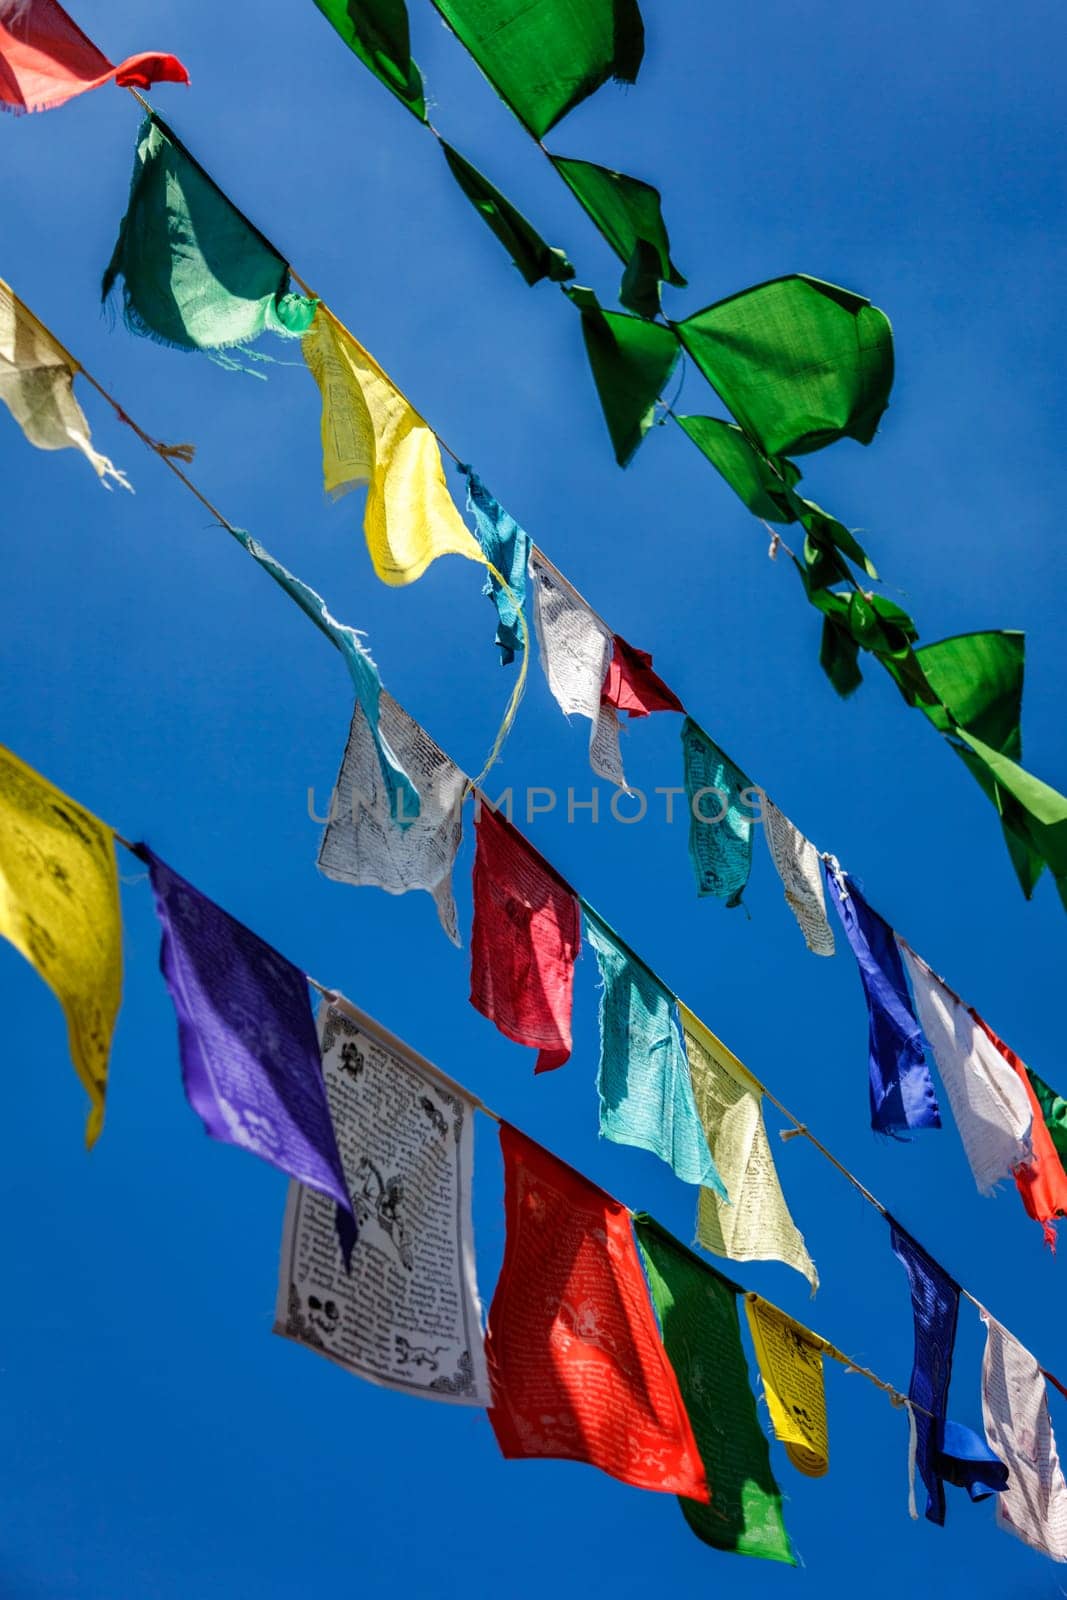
[1017,1423]
[720,816]
[506,547]
[576,650]
[1042,1182]
[45,59]
[796,861]
[377,32]
[790,1362]
[627,213]
[529,252]
[1053,1112]
[935,1301]
[632,686]
[631,361]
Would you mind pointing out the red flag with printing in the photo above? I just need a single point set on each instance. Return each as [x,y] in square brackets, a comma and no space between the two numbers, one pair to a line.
[1042,1185]
[525,941]
[577,1366]
[45,59]
[632,686]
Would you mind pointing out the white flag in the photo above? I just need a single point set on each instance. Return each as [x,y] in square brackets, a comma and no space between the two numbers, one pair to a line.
[797,863]
[576,650]
[1019,1430]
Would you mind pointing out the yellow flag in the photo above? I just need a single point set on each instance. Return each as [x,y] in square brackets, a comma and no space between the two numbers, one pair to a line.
[59,905]
[371,435]
[790,1360]
[755,1225]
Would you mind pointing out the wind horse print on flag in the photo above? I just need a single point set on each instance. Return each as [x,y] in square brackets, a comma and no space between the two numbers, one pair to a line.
[46,59]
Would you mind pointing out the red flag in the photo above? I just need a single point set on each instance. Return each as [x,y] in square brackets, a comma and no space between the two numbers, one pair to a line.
[45,59]
[632,686]
[578,1370]
[525,940]
[1042,1185]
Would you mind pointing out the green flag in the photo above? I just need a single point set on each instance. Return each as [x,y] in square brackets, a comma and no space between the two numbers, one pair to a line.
[631,360]
[628,214]
[196,274]
[697,1310]
[545,56]
[377,32]
[750,474]
[533,257]
[799,362]
[1053,1113]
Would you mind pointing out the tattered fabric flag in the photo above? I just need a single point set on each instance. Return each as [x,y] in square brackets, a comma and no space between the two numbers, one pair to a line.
[631,361]
[646,1096]
[1019,1428]
[627,212]
[59,907]
[528,250]
[377,32]
[524,942]
[45,59]
[697,1310]
[935,1302]
[1053,1112]
[720,816]
[249,1052]
[362,843]
[403,795]
[632,686]
[761,484]
[506,547]
[195,273]
[36,379]
[799,362]
[901,1089]
[545,56]
[796,861]
[990,1105]
[406,1313]
[1042,1182]
[967,1461]
[578,1371]
[372,436]
[755,1224]
[790,1362]
[576,650]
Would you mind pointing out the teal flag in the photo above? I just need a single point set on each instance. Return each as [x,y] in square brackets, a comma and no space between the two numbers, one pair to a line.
[722,802]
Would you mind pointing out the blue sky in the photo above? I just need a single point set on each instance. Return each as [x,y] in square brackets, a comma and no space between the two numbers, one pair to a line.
[156,1441]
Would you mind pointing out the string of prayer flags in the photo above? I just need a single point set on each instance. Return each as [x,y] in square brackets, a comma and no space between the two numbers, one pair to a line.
[362,843]
[1017,1424]
[796,861]
[627,212]
[372,436]
[632,686]
[800,363]
[534,258]
[935,1303]
[901,1089]
[720,816]
[506,548]
[576,651]
[524,942]
[196,274]
[1042,1181]
[406,1313]
[45,59]
[646,1096]
[790,1363]
[697,1310]
[578,1370]
[543,57]
[249,1052]
[377,32]
[631,361]
[990,1105]
[59,907]
[36,386]
[755,1224]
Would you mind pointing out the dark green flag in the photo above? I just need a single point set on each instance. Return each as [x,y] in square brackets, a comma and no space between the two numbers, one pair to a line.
[799,362]
[628,214]
[697,1310]
[196,274]
[750,474]
[632,360]
[533,257]
[1053,1113]
[544,56]
[377,32]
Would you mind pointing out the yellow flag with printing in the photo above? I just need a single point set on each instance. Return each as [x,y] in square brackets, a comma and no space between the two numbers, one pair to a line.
[59,906]
[790,1361]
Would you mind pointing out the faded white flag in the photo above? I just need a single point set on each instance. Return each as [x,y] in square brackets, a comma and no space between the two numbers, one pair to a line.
[797,863]
[1019,1430]
[576,650]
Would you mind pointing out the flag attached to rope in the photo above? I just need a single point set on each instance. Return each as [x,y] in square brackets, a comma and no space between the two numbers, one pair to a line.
[720,816]
[631,361]
[524,942]
[249,1052]
[935,1301]
[1042,1182]
[796,861]
[45,59]
[901,1089]
[506,547]
[534,257]
[196,274]
[576,650]
[990,1105]
[755,1224]
[697,1310]
[1017,1423]
[59,907]
[362,843]
[36,386]
[372,436]
[578,1371]
[790,1363]
[632,686]
[646,1097]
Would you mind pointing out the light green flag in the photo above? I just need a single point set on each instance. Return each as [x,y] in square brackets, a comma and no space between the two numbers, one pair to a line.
[697,1310]
[627,212]
[534,258]
[377,32]
[631,361]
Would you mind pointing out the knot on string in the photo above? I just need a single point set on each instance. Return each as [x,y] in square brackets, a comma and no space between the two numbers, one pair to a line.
[774,546]
[785,1134]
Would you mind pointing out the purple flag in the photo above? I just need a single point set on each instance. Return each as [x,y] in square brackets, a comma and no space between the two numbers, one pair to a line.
[935,1302]
[250,1055]
[902,1091]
